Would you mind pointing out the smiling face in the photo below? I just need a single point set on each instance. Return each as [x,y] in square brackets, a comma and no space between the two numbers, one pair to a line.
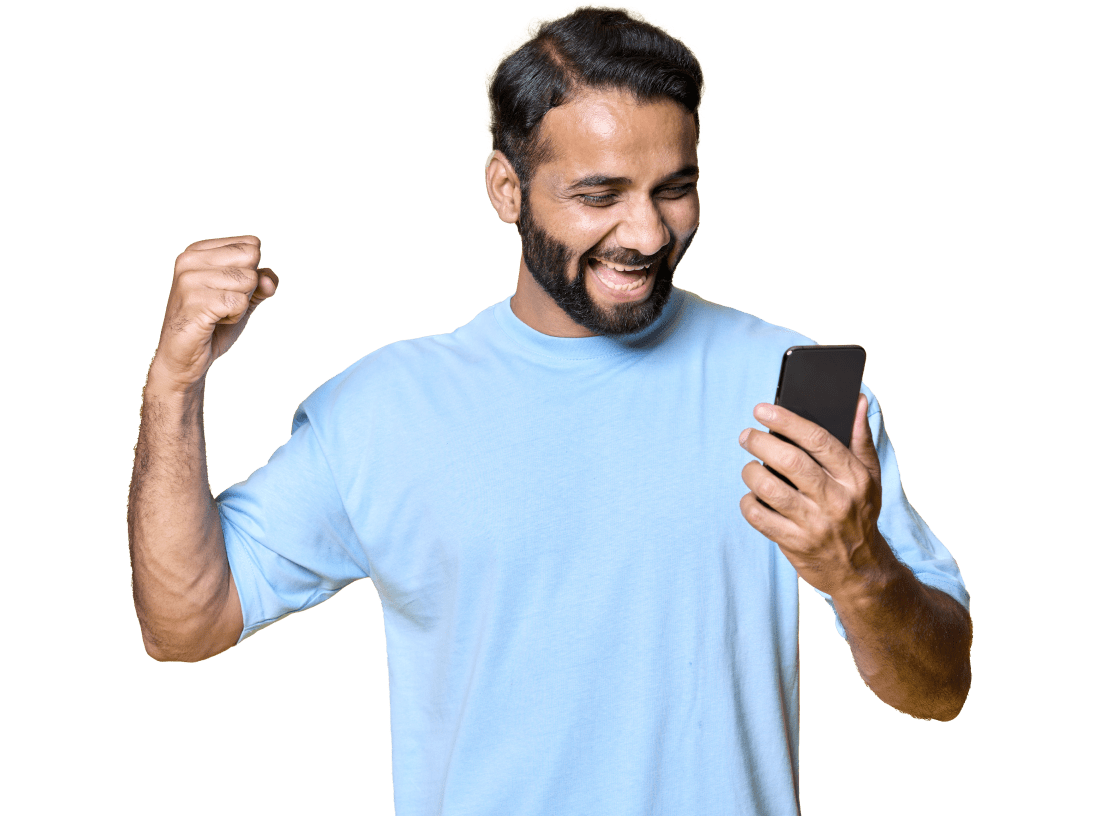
[607,218]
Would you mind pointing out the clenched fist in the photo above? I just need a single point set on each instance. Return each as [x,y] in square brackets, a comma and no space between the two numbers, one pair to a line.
[216,287]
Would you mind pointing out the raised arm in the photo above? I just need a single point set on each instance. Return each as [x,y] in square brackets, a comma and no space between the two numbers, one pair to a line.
[184,593]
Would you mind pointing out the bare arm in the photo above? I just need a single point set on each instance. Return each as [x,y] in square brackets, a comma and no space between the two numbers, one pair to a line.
[184,594]
[911,643]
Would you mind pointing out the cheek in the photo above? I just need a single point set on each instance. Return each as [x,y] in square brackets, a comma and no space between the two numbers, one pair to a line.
[586,232]
[682,222]
[684,218]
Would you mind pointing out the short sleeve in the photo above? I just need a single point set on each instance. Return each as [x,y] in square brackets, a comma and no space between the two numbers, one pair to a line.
[904,530]
[287,535]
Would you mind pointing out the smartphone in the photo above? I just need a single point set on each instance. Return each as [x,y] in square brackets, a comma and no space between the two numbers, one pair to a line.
[821,384]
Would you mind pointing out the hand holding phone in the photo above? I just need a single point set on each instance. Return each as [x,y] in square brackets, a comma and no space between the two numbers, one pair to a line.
[826,522]
[821,384]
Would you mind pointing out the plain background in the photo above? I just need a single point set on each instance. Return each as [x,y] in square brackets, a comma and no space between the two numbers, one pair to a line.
[919,178]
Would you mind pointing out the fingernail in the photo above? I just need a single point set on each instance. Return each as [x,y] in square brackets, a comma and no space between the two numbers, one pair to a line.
[743,437]
[764,412]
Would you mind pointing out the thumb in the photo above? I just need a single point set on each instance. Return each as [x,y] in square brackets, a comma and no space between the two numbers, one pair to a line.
[269,282]
[265,288]
[863,444]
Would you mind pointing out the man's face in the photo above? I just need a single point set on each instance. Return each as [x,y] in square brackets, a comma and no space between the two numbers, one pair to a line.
[608,217]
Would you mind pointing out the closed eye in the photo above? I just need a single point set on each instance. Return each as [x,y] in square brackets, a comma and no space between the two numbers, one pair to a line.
[678,193]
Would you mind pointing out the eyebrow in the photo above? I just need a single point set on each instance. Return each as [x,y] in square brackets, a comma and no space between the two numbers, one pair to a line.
[622,181]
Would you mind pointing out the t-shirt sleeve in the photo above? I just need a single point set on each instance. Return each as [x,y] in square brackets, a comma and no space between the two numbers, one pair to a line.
[904,530]
[287,534]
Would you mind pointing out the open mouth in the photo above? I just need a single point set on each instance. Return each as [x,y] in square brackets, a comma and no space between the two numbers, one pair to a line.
[620,277]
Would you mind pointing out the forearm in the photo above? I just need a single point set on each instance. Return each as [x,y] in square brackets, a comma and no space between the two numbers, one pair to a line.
[911,643]
[184,594]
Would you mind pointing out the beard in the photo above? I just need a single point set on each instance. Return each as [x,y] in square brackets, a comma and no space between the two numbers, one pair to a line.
[548,259]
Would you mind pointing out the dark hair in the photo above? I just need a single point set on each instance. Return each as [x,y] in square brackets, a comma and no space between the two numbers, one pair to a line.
[592,48]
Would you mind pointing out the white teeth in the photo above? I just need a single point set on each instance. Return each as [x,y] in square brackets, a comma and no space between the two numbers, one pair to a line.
[624,287]
[619,268]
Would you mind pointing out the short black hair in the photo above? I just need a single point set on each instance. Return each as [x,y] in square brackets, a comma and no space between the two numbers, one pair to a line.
[592,48]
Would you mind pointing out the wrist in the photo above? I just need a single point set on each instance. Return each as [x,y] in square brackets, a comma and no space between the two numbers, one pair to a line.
[875,578]
[164,385]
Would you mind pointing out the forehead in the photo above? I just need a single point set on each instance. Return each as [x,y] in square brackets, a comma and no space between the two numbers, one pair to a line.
[610,133]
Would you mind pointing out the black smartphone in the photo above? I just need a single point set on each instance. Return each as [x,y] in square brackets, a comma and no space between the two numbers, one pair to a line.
[821,384]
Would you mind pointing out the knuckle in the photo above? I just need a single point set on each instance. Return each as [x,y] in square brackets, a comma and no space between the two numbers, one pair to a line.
[235,302]
[818,437]
[772,487]
[868,517]
[184,267]
[250,254]
[239,275]
[865,484]
[790,460]
[182,261]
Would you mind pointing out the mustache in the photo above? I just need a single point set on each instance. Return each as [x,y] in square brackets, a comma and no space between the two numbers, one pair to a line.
[631,261]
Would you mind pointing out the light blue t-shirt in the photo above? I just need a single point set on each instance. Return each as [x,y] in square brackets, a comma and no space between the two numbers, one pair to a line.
[578,619]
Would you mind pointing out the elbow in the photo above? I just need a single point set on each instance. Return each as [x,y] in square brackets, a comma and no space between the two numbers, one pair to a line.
[949,711]
[947,714]
[159,644]
[157,650]
[955,684]
[955,701]
[156,645]
[964,694]
[926,698]
[162,655]
[156,653]
[169,650]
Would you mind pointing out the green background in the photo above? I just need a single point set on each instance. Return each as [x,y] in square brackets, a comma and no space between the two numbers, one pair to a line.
[919,179]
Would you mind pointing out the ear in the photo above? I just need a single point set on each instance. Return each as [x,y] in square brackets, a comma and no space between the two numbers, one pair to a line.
[502,185]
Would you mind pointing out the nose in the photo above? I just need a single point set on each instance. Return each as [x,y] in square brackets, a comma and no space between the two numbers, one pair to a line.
[643,229]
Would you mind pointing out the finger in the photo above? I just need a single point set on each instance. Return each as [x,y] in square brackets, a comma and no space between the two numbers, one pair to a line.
[785,458]
[233,306]
[767,522]
[859,422]
[228,278]
[826,449]
[863,443]
[241,254]
[773,491]
[211,243]
[266,286]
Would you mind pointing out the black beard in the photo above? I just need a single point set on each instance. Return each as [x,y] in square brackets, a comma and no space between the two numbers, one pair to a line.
[547,259]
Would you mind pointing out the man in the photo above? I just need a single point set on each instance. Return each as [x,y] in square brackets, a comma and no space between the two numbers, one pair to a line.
[577,618]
